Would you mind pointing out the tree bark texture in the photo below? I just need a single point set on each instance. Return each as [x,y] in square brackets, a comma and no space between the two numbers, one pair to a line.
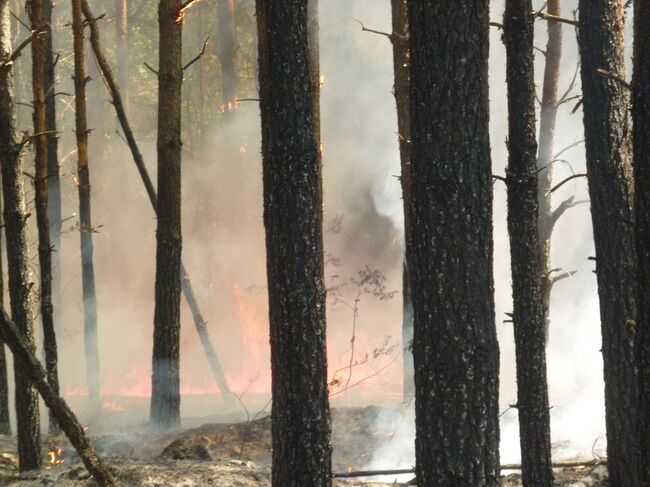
[455,348]
[605,105]
[40,123]
[29,439]
[641,121]
[401,69]
[528,306]
[85,220]
[292,175]
[165,395]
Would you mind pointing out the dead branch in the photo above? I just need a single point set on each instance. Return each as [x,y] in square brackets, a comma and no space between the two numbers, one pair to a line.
[18,51]
[563,98]
[198,56]
[146,65]
[199,322]
[614,77]
[563,182]
[59,408]
[497,25]
[555,18]
[564,275]
[570,146]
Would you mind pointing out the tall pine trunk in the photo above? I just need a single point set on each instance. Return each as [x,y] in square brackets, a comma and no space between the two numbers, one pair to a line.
[455,347]
[5,425]
[39,68]
[292,175]
[528,306]
[122,49]
[605,105]
[401,69]
[85,221]
[226,49]
[165,394]
[641,121]
[15,219]
[547,122]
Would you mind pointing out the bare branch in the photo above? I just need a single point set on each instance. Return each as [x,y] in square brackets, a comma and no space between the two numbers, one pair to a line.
[614,77]
[563,182]
[570,146]
[364,29]
[199,55]
[555,18]
[568,91]
[564,275]
[150,68]
[17,52]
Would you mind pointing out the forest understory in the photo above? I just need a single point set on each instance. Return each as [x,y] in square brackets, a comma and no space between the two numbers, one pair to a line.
[225,454]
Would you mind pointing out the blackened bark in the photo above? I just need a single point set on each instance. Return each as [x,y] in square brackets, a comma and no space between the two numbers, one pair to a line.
[39,65]
[5,426]
[547,121]
[29,438]
[641,121]
[401,69]
[292,176]
[528,307]
[313,32]
[85,220]
[60,410]
[226,49]
[165,394]
[122,49]
[455,347]
[186,283]
[605,104]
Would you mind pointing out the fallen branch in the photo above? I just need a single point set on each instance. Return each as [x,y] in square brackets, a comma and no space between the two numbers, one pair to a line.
[57,406]
[188,292]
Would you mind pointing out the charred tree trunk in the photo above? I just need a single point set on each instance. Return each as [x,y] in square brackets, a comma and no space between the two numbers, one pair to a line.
[641,122]
[401,69]
[313,33]
[85,221]
[60,410]
[528,312]
[293,217]
[547,120]
[53,192]
[39,68]
[605,104]
[165,394]
[122,48]
[5,425]
[455,348]
[226,49]
[15,218]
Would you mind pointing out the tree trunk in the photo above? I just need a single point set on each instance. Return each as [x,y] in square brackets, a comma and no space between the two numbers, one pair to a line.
[186,283]
[401,68]
[165,395]
[455,348]
[85,221]
[122,49]
[547,120]
[528,311]
[293,218]
[605,103]
[641,122]
[15,218]
[226,49]
[60,410]
[5,425]
[39,68]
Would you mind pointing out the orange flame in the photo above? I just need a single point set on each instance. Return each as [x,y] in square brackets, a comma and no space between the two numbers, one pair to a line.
[55,456]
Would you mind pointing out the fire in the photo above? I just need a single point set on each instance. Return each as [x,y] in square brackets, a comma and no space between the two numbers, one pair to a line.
[55,456]
[76,180]
[113,406]
[231,106]
[180,17]
[254,331]
[322,149]
[321,80]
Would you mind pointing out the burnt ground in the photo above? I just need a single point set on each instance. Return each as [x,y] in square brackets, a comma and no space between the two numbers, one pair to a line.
[225,455]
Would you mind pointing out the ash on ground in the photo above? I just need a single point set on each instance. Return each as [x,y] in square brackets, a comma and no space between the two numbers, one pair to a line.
[225,455]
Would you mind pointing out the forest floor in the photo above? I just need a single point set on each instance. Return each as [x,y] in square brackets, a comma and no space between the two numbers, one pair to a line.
[224,455]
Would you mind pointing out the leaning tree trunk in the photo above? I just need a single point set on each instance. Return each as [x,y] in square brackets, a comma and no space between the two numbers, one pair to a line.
[547,121]
[15,219]
[455,348]
[5,425]
[226,49]
[122,48]
[641,121]
[401,69]
[165,394]
[39,66]
[605,103]
[85,221]
[528,306]
[293,219]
